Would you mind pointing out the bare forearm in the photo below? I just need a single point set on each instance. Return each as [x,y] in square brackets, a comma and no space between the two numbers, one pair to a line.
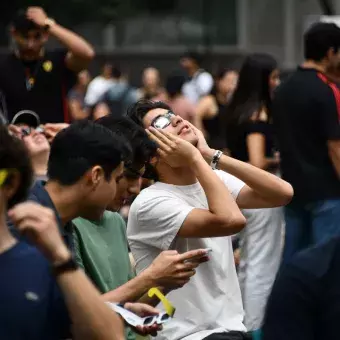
[220,201]
[266,163]
[73,42]
[91,318]
[130,291]
[265,184]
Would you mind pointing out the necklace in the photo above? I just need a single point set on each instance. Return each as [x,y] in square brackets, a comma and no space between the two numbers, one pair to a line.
[30,76]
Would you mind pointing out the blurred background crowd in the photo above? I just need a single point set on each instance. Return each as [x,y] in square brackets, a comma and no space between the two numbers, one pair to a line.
[217,64]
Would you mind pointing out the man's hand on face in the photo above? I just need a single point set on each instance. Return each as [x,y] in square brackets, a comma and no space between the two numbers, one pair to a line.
[202,144]
[37,15]
[175,151]
[39,225]
[173,270]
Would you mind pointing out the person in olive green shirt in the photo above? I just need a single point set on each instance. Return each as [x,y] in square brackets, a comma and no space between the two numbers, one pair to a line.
[101,250]
[101,247]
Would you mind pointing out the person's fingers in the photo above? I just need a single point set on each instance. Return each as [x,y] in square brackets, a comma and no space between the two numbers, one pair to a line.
[192,254]
[26,225]
[204,259]
[189,265]
[30,210]
[169,252]
[158,141]
[161,153]
[168,135]
[163,136]
[141,330]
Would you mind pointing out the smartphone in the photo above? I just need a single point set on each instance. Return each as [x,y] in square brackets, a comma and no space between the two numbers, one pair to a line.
[207,252]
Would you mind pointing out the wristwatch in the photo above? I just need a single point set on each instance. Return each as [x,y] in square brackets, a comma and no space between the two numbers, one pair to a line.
[68,266]
[48,23]
[216,159]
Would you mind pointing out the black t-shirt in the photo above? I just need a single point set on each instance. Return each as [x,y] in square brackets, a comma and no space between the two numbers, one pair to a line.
[305,300]
[237,139]
[306,111]
[46,94]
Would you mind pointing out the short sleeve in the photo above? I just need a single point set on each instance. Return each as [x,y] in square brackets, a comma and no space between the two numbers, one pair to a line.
[160,219]
[92,97]
[77,249]
[330,112]
[256,127]
[233,184]
[205,83]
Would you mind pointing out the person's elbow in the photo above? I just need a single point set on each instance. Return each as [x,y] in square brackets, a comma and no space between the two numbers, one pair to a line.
[234,222]
[88,52]
[87,55]
[286,194]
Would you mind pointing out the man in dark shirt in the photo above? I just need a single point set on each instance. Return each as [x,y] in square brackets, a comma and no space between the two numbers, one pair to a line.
[42,289]
[38,80]
[305,300]
[306,111]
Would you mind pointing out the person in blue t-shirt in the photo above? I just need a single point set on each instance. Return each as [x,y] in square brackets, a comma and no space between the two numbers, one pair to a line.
[42,291]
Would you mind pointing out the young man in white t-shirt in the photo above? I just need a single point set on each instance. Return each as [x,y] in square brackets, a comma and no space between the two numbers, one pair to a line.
[193,206]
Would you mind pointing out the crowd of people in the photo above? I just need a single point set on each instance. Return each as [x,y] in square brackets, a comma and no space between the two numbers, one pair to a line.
[221,191]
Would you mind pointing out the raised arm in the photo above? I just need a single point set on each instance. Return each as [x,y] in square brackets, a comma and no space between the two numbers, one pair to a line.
[90,317]
[80,51]
[223,216]
[262,189]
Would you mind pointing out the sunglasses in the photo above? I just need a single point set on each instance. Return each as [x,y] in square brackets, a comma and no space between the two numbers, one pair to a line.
[162,121]
[28,130]
[159,319]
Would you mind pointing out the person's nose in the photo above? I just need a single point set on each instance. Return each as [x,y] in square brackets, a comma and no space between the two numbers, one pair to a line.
[175,120]
[30,43]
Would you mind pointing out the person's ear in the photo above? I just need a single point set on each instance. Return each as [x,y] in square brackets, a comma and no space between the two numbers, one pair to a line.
[330,53]
[153,161]
[94,176]
[11,185]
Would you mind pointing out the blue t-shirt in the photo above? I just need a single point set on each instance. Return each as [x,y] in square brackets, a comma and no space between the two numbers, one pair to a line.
[39,194]
[31,304]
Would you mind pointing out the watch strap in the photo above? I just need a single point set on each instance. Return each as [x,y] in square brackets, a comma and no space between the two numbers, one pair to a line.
[68,266]
[216,159]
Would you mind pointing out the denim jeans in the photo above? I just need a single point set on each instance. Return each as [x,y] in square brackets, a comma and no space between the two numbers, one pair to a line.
[309,224]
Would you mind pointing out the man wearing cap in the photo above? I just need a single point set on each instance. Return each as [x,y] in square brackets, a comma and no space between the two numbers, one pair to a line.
[32,78]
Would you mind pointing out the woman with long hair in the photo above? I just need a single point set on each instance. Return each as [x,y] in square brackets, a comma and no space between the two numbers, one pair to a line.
[251,139]
[211,109]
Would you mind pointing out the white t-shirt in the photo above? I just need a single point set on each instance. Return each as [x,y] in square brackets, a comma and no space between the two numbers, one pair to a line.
[199,85]
[96,89]
[211,301]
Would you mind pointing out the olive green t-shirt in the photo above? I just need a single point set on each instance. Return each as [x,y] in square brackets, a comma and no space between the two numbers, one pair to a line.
[101,249]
